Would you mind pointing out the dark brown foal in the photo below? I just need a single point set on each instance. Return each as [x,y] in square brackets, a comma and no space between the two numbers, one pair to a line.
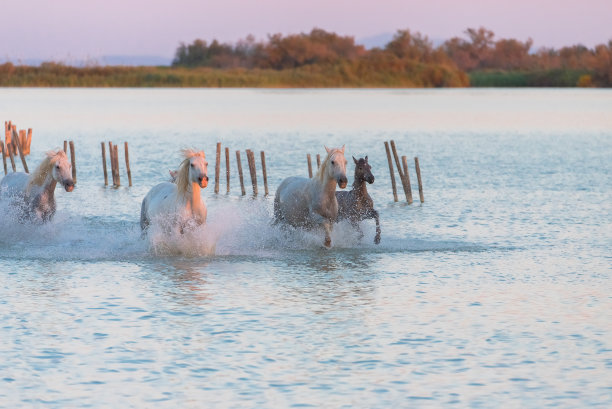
[357,205]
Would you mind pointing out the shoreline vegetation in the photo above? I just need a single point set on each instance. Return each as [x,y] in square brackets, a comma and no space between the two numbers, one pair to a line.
[322,59]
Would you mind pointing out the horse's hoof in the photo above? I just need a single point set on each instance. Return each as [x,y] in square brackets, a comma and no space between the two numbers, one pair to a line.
[327,243]
[377,240]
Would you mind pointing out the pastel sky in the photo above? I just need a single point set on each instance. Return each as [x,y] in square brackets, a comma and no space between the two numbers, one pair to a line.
[60,29]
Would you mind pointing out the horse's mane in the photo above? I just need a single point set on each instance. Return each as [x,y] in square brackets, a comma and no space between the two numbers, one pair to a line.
[182,178]
[323,169]
[40,173]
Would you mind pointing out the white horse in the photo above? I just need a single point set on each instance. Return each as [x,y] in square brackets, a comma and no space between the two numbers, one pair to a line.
[304,202]
[181,202]
[33,195]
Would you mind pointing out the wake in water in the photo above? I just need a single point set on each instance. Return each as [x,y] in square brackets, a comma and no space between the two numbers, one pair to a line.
[234,228]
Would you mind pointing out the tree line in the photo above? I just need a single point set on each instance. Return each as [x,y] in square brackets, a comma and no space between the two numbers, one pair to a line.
[478,54]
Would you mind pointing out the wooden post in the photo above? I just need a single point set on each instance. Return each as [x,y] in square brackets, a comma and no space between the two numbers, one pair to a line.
[318,161]
[7,137]
[227,168]
[252,170]
[418,172]
[265,175]
[309,165]
[104,163]
[401,173]
[9,148]
[217,167]
[14,139]
[28,142]
[73,162]
[17,139]
[405,166]
[111,154]
[127,164]
[116,153]
[239,164]
[3,156]
[391,171]
[65,146]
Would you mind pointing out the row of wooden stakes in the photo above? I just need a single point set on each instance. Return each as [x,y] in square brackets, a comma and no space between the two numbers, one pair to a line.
[15,143]
[113,152]
[114,165]
[402,170]
[250,155]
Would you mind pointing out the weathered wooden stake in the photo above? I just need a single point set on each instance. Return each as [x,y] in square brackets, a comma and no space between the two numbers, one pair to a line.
[3,157]
[28,142]
[227,168]
[103,145]
[217,167]
[265,175]
[116,153]
[318,161]
[10,152]
[65,146]
[407,177]
[17,139]
[127,164]
[111,156]
[309,165]
[406,187]
[73,162]
[239,164]
[391,171]
[418,172]
[252,170]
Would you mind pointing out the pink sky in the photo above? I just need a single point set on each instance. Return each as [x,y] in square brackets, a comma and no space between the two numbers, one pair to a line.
[60,29]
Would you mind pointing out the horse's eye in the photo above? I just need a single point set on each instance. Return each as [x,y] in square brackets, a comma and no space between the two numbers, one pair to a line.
[192,165]
[56,166]
[333,162]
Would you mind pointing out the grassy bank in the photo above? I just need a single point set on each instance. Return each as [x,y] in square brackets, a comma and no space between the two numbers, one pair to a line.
[348,74]
[547,78]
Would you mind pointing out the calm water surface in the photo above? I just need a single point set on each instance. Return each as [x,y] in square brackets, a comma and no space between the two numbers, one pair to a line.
[494,293]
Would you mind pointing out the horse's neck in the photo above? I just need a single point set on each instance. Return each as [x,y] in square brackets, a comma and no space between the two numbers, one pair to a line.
[48,187]
[194,200]
[325,189]
[360,188]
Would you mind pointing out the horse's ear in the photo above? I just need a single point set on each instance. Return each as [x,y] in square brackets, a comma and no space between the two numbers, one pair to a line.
[354,160]
[366,158]
[342,148]
[327,149]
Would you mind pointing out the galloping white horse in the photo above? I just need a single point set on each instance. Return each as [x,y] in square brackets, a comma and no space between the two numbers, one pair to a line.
[33,194]
[178,203]
[303,202]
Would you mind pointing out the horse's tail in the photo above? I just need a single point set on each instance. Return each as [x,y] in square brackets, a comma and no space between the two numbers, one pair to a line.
[144,220]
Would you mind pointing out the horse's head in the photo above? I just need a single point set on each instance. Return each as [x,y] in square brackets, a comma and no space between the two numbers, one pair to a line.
[336,166]
[363,170]
[198,171]
[62,170]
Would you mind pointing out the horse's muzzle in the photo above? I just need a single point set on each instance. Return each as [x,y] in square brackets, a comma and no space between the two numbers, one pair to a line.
[342,182]
[69,186]
[370,180]
[203,181]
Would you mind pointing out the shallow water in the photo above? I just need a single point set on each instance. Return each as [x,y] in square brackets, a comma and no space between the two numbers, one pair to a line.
[495,292]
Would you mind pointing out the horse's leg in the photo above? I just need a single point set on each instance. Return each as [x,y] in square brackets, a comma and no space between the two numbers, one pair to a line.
[374,215]
[144,220]
[357,226]
[327,225]
[277,211]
